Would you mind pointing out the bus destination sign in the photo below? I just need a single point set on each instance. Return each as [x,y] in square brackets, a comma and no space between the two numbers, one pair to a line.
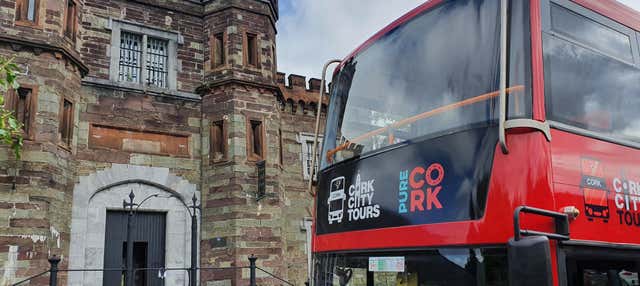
[437,180]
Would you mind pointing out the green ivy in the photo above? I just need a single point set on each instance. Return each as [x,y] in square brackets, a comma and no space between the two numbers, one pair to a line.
[10,128]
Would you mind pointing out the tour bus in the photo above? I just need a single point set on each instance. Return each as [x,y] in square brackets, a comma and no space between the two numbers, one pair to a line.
[485,142]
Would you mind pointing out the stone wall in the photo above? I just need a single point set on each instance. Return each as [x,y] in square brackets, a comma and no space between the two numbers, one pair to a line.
[157,140]
[95,43]
[35,202]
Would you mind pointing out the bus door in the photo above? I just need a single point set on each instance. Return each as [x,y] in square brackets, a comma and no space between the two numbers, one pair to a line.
[598,266]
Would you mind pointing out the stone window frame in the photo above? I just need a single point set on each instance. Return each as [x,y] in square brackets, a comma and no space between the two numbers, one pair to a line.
[224,138]
[10,98]
[214,50]
[173,38]
[76,13]
[304,139]
[36,23]
[255,52]
[251,154]
[70,124]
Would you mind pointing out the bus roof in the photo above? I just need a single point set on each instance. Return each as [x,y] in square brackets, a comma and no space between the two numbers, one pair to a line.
[609,8]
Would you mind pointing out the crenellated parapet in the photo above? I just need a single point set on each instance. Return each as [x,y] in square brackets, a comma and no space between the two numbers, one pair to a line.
[300,95]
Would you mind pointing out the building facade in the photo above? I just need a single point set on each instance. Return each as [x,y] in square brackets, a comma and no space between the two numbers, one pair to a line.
[168,99]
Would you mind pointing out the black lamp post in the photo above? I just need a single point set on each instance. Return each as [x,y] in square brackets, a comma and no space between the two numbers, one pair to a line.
[129,264]
[194,235]
[194,241]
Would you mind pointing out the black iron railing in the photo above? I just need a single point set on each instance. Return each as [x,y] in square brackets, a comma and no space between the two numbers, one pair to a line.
[54,270]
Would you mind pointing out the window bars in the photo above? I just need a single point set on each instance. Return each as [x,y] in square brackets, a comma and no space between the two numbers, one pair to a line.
[308,159]
[155,56]
[130,57]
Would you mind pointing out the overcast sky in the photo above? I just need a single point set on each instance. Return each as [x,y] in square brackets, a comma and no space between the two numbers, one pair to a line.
[310,32]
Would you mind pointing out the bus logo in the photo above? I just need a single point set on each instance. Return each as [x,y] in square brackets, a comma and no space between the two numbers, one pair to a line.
[594,188]
[336,200]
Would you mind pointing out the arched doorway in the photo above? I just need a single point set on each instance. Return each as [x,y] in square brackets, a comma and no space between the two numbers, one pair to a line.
[97,204]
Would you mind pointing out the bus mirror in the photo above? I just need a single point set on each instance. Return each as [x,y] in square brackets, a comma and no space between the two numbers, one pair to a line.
[530,261]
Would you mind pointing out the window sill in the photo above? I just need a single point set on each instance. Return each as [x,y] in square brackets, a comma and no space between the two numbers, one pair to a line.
[254,158]
[30,24]
[68,40]
[64,147]
[219,68]
[218,161]
[139,88]
[252,67]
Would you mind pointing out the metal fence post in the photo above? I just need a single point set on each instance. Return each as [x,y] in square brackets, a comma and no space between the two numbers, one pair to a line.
[252,270]
[194,243]
[53,271]
[129,263]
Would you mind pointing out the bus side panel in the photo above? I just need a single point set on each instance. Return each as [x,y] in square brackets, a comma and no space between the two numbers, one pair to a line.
[523,177]
[602,180]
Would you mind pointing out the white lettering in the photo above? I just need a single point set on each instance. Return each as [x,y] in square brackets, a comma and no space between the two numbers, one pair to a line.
[619,201]
[617,185]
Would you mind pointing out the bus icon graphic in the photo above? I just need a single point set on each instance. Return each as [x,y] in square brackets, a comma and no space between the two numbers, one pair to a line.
[596,203]
[336,200]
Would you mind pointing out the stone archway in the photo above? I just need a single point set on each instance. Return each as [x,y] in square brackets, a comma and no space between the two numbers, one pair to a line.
[105,190]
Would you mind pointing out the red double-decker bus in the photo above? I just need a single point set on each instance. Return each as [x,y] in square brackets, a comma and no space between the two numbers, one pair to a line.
[485,142]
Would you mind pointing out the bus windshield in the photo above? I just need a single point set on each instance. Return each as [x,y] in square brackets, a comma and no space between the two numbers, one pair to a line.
[436,73]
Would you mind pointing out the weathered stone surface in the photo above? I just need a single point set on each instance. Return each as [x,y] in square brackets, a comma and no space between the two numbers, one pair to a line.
[138,132]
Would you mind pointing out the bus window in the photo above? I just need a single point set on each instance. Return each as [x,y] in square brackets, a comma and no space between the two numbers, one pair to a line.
[602,273]
[586,86]
[438,73]
[591,33]
[452,267]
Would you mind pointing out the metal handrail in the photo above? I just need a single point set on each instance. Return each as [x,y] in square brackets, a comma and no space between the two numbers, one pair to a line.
[503,78]
[313,171]
[54,271]
[274,276]
[30,278]
[561,223]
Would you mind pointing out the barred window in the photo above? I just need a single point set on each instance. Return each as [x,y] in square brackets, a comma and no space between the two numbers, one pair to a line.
[130,57]
[143,56]
[306,140]
[157,58]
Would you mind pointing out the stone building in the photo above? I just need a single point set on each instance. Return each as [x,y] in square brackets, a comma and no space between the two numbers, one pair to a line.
[174,98]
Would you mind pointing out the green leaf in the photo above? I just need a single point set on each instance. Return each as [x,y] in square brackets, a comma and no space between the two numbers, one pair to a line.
[13,123]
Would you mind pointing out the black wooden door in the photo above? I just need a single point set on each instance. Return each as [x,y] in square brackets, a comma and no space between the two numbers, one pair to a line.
[148,248]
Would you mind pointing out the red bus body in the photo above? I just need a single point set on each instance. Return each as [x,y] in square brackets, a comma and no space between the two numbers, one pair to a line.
[536,172]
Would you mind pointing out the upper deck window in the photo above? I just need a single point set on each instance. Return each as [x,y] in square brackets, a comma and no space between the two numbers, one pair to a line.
[591,33]
[435,74]
[590,83]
